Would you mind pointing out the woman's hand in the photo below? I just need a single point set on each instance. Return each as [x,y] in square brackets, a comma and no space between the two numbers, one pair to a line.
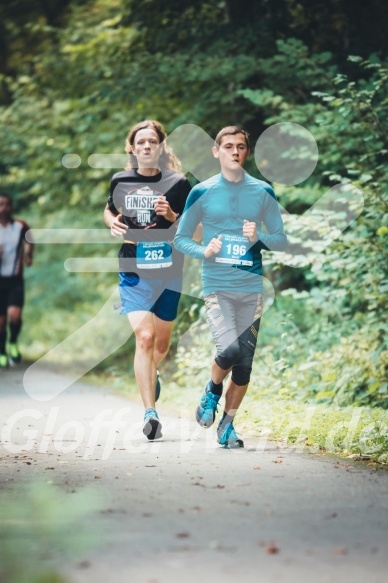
[163,209]
[117,228]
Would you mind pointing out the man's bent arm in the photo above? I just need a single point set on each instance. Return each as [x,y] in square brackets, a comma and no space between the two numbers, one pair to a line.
[275,239]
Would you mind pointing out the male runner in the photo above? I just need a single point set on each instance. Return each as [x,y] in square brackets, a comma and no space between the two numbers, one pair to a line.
[13,252]
[231,206]
[144,204]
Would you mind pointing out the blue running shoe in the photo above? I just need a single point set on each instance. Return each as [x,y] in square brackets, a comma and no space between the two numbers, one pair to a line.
[158,387]
[152,427]
[227,436]
[207,408]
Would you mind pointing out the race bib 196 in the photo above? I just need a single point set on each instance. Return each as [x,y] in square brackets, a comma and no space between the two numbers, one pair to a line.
[153,255]
[235,250]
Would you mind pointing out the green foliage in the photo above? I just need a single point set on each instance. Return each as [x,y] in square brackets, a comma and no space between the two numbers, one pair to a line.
[346,301]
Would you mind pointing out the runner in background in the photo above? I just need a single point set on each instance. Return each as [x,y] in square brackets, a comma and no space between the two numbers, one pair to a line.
[14,252]
[144,205]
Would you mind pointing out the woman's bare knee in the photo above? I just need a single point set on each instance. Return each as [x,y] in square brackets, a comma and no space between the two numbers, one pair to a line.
[145,339]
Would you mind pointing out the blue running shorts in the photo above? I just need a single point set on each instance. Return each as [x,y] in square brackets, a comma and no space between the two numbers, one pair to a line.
[159,296]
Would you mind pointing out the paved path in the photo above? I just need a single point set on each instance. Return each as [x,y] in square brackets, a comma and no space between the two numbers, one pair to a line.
[183,509]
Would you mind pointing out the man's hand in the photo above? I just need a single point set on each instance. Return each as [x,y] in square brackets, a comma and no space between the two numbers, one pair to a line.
[163,209]
[249,230]
[117,228]
[213,247]
[28,251]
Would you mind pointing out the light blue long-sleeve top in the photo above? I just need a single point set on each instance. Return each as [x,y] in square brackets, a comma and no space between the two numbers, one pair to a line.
[222,206]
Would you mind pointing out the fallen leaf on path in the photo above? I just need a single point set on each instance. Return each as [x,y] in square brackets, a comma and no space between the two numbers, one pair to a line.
[341,551]
[182,535]
[257,468]
[272,549]
[83,565]
[97,477]
[277,462]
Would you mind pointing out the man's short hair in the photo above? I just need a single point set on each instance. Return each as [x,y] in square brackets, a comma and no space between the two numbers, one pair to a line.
[231,131]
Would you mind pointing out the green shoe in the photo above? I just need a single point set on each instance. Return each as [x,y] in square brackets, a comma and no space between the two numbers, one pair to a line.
[3,361]
[14,353]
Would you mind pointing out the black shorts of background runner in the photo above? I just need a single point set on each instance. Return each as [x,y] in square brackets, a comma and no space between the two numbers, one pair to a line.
[234,319]
[11,293]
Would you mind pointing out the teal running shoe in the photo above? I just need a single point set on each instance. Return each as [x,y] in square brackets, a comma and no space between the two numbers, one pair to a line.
[207,408]
[152,427]
[227,436]
[14,352]
[158,387]
[3,361]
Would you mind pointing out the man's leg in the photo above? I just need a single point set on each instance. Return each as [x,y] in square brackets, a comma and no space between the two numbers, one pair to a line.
[3,339]
[15,324]
[248,316]
[221,318]
[233,397]
[235,393]
[3,322]
[3,332]
[14,315]
[218,374]
[15,321]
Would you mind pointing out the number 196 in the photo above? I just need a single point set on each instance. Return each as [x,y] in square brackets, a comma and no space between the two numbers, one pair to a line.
[236,249]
